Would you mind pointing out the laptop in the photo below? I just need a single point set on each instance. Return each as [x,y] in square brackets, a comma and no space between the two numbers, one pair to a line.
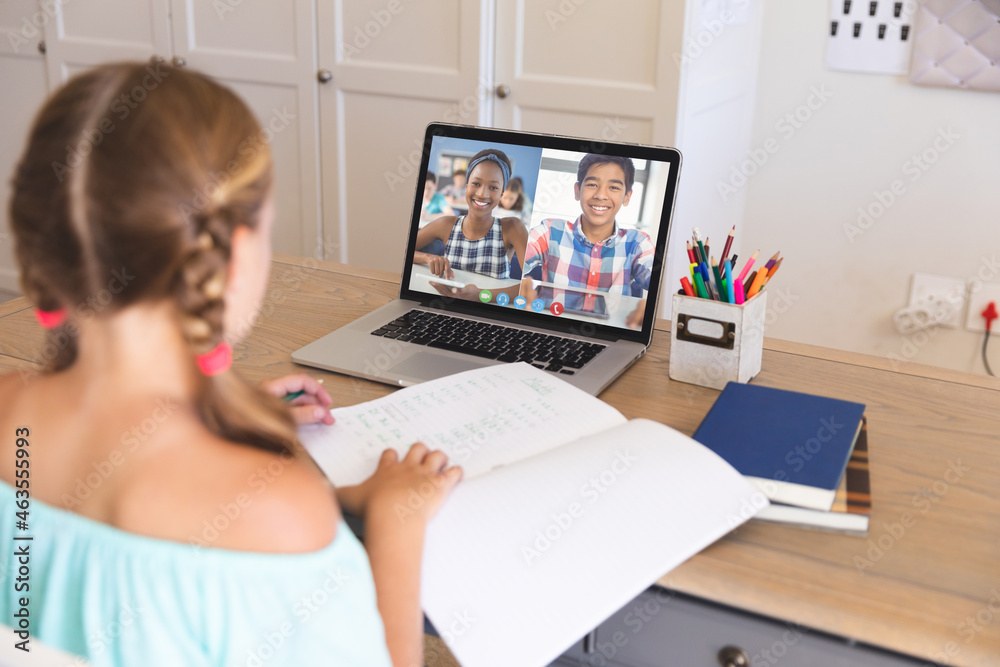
[579,307]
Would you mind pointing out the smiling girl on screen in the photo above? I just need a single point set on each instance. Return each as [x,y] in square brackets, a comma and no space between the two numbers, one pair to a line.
[477,242]
[212,539]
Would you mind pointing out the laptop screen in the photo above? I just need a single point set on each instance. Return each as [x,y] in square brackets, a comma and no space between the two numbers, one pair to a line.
[550,231]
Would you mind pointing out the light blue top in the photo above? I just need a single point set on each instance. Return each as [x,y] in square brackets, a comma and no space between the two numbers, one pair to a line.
[118,598]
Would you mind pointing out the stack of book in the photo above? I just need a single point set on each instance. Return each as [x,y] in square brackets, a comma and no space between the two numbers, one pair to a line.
[808,454]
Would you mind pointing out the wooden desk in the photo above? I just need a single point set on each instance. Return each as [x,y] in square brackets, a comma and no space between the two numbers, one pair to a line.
[931,561]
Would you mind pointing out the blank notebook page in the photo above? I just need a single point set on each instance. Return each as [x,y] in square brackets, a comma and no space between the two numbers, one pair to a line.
[615,511]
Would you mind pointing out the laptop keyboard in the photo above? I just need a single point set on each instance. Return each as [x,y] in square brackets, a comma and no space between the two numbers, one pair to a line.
[491,341]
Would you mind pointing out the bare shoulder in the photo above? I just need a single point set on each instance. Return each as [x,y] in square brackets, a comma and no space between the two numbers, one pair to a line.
[231,496]
[513,225]
[12,391]
[9,383]
[441,227]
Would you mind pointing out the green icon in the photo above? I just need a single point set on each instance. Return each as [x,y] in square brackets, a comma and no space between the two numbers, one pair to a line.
[485,295]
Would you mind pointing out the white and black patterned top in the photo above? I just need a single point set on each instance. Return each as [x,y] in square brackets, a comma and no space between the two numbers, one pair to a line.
[488,255]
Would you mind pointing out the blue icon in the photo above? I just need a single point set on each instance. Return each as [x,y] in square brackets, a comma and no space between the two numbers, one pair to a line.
[520,302]
[502,299]
[538,305]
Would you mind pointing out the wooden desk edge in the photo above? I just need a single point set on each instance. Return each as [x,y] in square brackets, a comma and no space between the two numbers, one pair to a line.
[662,328]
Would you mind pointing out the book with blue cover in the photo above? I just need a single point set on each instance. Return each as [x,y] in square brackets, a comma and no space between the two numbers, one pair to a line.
[794,447]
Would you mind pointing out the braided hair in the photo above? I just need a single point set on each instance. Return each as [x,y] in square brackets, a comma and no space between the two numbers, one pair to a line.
[130,188]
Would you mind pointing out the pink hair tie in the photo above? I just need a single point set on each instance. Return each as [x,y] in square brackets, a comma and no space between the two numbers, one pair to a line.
[50,319]
[217,361]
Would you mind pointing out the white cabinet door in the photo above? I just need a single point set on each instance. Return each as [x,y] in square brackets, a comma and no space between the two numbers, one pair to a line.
[266,53]
[81,35]
[24,84]
[396,65]
[600,69]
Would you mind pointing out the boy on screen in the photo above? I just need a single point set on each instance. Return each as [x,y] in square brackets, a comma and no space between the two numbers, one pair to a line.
[593,252]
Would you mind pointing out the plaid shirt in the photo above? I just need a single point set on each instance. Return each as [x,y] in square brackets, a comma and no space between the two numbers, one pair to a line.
[558,252]
[487,255]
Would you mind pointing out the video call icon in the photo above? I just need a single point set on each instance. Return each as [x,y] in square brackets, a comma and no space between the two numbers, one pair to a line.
[485,295]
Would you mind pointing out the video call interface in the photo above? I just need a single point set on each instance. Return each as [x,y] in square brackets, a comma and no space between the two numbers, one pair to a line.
[551,232]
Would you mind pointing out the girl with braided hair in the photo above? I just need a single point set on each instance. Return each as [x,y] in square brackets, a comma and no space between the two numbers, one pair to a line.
[169,498]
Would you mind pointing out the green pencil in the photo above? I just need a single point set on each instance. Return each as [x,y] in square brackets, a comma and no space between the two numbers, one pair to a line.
[719,281]
[699,285]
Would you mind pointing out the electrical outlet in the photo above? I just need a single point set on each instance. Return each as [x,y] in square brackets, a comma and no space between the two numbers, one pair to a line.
[926,289]
[980,295]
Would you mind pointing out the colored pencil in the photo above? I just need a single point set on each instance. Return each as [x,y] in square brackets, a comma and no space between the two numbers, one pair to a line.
[686,284]
[743,273]
[700,285]
[728,245]
[771,261]
[718,278]
[758,282]
[707,277]
[773,270]
[728,270]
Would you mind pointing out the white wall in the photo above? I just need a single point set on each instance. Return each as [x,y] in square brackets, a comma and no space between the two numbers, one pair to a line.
[714,125]
[840,284]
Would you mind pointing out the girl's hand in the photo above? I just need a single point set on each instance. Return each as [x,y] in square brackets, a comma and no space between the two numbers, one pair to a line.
[313,406]
[415,487]
[634,319]
[440,266]
[528,289]
[470,292]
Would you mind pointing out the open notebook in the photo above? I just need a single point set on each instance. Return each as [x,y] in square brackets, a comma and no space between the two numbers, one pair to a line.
[567,510]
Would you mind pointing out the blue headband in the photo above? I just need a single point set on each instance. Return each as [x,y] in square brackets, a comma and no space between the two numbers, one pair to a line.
[490,156]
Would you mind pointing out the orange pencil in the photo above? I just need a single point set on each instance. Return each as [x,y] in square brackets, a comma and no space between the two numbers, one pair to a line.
[758,282]
[774,269]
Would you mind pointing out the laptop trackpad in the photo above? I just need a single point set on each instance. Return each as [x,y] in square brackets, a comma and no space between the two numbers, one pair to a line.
[425,366]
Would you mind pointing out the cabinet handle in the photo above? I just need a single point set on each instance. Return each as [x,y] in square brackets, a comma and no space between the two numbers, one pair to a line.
[503,90]
[733,656]
[155,60]
[41,47]
[179,62]
[324,76]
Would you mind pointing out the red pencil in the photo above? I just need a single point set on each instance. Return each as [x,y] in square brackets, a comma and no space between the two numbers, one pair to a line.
[686,284]
[691,254]
[729,244]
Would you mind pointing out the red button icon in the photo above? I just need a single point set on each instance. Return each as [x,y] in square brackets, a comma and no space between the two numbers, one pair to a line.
[557,308]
